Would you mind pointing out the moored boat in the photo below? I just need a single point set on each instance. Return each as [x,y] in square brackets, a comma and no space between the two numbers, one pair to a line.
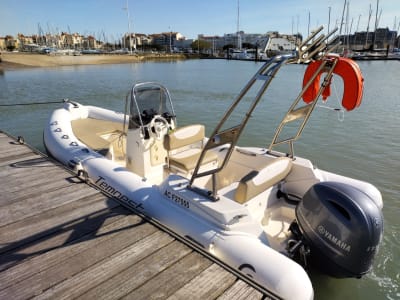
[267,213]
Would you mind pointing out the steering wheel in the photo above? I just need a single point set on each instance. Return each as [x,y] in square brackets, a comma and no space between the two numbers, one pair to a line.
[158,127]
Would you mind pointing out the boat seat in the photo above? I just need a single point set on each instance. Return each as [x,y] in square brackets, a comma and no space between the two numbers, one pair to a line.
[256,182]
[184,146]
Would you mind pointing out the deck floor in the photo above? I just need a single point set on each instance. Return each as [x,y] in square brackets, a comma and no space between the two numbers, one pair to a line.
[61,238]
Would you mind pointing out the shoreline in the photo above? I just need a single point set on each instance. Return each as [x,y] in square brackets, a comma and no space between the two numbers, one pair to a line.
[17,60]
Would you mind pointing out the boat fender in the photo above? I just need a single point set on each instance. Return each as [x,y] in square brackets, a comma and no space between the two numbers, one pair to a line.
[347,69]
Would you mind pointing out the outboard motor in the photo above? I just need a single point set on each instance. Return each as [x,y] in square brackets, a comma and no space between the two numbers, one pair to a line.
[342,228]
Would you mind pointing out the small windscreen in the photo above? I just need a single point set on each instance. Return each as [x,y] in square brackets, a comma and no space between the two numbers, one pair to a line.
[148,101]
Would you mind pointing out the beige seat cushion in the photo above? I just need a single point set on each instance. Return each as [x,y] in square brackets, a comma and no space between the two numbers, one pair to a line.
[256,182]
[89,130]
[185,146]
[184,136]
[187,160]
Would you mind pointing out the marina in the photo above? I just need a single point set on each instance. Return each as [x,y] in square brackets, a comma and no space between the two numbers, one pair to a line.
[61,238]
[156,162]
[215,75]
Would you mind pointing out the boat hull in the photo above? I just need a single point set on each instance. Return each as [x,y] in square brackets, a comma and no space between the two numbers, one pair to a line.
[238,245]
[224,228]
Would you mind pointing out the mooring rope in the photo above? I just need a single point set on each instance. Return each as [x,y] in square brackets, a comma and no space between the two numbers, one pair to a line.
[33,103]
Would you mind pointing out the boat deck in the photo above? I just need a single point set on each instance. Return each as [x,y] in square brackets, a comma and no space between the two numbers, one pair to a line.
[62,238]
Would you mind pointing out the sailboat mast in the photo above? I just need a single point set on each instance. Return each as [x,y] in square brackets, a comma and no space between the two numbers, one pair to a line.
[369,19]
[341,22]
[376,24]
[239,40]
[347,28]
[356,32]
[329,18]
[376,15]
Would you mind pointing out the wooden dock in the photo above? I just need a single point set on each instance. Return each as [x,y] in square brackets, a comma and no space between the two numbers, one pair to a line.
[61,238]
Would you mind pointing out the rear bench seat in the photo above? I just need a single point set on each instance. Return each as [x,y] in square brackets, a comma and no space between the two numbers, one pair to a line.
[256,182]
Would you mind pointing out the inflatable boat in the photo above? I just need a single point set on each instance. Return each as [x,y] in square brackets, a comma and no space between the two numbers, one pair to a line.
[268,213]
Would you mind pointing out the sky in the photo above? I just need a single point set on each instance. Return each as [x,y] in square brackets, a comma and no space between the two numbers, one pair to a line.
[108,19]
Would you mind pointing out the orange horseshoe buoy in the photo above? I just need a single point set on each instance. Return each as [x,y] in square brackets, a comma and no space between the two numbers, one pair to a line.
[352,79]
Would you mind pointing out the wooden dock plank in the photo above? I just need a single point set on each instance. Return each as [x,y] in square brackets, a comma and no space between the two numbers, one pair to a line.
[53,245]
[23,187]
[138,254]
[62,239]
[44,271]
[174,277]
[49,251]
[10,148]
[39,189]
[209,284]
[14,153]
[24,180]
[17,158]
[42,200]
[61,218]
[29,179]
[241,290]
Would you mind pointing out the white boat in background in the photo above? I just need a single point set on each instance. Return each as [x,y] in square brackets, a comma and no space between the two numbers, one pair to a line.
[241,54]
[266,213]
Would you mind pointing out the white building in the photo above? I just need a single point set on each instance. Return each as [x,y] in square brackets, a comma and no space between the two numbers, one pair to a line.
[279,44]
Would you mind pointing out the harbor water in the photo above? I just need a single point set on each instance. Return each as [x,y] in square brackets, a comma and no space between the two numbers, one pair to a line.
[364,143]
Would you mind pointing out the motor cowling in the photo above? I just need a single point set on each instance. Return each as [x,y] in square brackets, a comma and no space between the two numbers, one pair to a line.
[342,227]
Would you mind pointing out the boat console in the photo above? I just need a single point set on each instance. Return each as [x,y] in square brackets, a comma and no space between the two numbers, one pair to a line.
[150,116]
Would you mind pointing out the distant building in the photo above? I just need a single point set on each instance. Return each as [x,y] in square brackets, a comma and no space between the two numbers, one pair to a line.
[277,41]
[2,43]
[11,43]
[279,44]
[129,41]
[142,41]
[74,41]
[382,38]
[272,41]
[232,38]
[89,42]
[216,42]
[167,40]
[184,44]
[250,38]
[264,44]
[24,40]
